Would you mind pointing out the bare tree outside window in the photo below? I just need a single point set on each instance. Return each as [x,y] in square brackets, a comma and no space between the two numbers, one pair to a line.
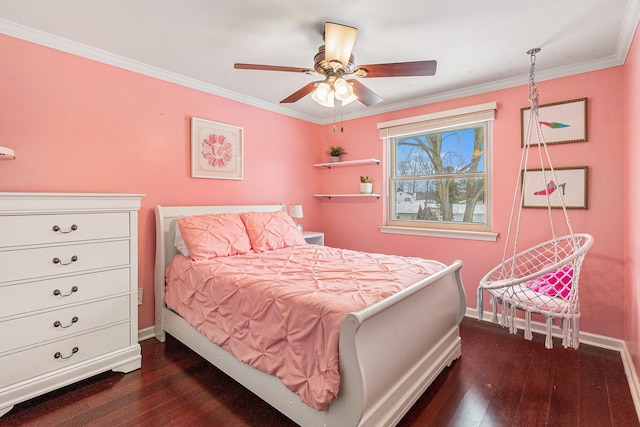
[440,178]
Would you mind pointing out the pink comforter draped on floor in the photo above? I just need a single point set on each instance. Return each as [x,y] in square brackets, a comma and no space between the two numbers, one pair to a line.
[281,311]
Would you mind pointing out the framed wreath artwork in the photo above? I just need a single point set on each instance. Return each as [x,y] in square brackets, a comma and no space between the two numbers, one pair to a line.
[216,150]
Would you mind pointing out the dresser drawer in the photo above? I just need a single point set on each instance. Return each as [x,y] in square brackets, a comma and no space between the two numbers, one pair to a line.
[23,365]
[44,294]
[56,324]
[38,229]
[50,261]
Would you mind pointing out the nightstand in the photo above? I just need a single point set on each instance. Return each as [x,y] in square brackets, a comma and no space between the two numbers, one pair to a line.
[313,237]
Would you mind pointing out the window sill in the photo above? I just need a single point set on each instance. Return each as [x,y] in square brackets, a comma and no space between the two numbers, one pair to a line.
[486,236]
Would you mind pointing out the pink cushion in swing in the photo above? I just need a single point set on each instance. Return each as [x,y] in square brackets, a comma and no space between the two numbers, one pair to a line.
[557,282]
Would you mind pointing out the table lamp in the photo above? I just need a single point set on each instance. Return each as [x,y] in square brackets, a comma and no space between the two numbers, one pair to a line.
[295,212]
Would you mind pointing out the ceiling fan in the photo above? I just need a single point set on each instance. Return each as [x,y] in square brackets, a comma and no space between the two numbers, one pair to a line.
[335,62]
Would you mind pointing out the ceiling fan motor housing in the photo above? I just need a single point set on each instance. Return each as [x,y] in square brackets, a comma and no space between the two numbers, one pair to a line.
[323,66]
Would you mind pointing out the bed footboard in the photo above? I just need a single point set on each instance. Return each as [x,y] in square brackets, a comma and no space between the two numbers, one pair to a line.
[400,345]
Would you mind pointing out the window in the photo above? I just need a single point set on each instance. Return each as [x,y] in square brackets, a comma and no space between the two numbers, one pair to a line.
[438,170]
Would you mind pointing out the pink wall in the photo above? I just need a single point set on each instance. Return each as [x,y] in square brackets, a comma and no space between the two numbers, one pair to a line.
[632,199]
[82,126]
[354,223]
[78,125]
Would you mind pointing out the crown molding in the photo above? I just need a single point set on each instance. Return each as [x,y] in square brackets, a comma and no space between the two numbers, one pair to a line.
[65,45]
[627,31]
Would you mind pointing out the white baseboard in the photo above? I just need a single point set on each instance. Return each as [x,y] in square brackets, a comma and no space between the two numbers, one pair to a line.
[588,339]
[146,333]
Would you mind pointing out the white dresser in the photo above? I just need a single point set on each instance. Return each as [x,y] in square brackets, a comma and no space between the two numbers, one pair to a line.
[68,286]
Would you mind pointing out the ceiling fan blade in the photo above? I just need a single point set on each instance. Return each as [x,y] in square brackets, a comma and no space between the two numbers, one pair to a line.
[364,94]
[338,42]
[300,93]
[271,68]
[399,69]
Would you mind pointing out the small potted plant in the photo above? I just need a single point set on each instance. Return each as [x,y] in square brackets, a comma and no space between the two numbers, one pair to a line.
[366,187]
[336,152]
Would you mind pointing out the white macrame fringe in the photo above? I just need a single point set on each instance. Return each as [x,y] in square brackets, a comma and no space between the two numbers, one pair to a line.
[505,313]
[527,326]
[480,304]
[513,328]
[566,331]
[548,343]
[494,308]
[575,332]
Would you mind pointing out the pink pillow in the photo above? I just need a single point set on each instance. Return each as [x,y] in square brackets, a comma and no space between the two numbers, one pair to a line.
[214,235]
[271,230]
[555,283]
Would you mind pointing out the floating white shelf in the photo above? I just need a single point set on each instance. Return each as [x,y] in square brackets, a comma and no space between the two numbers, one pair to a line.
[329,196]
[346,163]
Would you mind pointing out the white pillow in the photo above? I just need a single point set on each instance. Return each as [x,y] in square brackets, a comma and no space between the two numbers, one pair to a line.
[178,241]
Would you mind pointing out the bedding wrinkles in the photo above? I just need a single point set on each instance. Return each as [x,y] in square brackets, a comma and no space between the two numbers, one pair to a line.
[281,311]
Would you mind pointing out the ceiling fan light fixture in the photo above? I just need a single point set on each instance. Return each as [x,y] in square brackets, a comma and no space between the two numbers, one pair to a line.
[349,100]
[343,89]
[323,95]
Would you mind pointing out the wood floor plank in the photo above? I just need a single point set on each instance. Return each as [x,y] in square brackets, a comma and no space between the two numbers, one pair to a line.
[594,399]
[619,396]
[500,380]
[533,408]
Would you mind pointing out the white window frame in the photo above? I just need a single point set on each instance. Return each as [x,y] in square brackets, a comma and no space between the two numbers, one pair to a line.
[433,122]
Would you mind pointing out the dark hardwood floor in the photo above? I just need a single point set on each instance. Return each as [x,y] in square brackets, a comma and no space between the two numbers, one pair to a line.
[500,380]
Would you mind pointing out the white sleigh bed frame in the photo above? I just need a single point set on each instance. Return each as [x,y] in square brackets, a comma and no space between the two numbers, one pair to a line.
[389,352]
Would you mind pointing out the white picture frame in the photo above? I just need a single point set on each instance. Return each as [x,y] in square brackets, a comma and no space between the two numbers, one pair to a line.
[217,150]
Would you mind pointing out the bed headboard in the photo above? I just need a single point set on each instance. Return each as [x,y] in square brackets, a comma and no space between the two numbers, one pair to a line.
[166,217]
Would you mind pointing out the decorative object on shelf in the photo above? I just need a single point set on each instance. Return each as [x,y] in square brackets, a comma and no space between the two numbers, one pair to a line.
[366,187]
[562,122]
[295,212]
[7,153]
[216,150]
[335,152]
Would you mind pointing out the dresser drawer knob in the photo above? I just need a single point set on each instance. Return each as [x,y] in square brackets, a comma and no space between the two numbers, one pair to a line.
[57,229]
[57,292]
[57,260]
[58,324]
[59,355]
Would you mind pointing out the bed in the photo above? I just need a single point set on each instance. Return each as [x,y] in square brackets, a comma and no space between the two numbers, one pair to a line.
[389,352]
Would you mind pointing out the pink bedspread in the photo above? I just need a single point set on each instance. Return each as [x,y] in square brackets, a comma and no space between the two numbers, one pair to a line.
[281,311]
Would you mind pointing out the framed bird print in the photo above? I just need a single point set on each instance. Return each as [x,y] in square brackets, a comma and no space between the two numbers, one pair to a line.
[561,123]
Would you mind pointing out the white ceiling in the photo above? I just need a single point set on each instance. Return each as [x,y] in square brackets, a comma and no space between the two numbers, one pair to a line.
[479,45]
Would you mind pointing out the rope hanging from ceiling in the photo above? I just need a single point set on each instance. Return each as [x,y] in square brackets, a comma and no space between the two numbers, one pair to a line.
[542,279]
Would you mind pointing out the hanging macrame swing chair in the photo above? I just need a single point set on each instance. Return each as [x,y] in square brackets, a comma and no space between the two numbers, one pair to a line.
[543,279]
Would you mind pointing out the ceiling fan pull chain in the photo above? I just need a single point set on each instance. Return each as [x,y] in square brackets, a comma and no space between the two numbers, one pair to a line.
[334,120]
